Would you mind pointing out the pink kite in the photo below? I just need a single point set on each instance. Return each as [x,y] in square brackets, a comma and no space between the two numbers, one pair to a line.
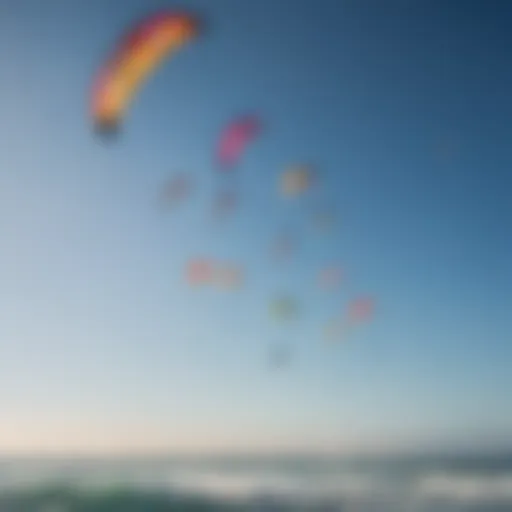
[199,271]
[361,309]
[235,138]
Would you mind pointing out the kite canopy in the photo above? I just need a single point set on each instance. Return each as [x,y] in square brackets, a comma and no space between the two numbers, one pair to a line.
[177,189]
[229,277]
[296,180]
[108,129]
[330,277]
[284,308]
[136,56]
[200,271]
[361,309]
[235,138]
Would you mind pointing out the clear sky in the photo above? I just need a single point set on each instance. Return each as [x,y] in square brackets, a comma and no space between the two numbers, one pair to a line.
[406,108]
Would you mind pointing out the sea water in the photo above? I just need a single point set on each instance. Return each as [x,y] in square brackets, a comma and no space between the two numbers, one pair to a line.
[407,484]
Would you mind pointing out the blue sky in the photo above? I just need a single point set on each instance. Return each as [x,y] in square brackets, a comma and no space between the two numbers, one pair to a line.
[102,345]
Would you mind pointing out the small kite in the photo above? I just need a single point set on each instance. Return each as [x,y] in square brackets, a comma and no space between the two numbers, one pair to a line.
[176,190]
[235,138]
[200,272]
[330,278]
[296,180]
[229,277]
[284,309]
[361,309]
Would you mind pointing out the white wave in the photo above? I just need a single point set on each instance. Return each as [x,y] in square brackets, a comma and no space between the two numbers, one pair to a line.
[466,488]
[353,491]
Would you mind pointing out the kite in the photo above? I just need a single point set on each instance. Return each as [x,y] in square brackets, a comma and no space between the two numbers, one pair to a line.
[284,308]
[138,54]
[200,272]
[176,190]
[329,278]
[296,180]
[234,139]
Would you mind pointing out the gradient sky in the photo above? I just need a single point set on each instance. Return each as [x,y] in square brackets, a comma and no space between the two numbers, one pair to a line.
[406,108]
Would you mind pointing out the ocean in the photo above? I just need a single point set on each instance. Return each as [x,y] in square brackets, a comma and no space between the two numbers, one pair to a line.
[386,484]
